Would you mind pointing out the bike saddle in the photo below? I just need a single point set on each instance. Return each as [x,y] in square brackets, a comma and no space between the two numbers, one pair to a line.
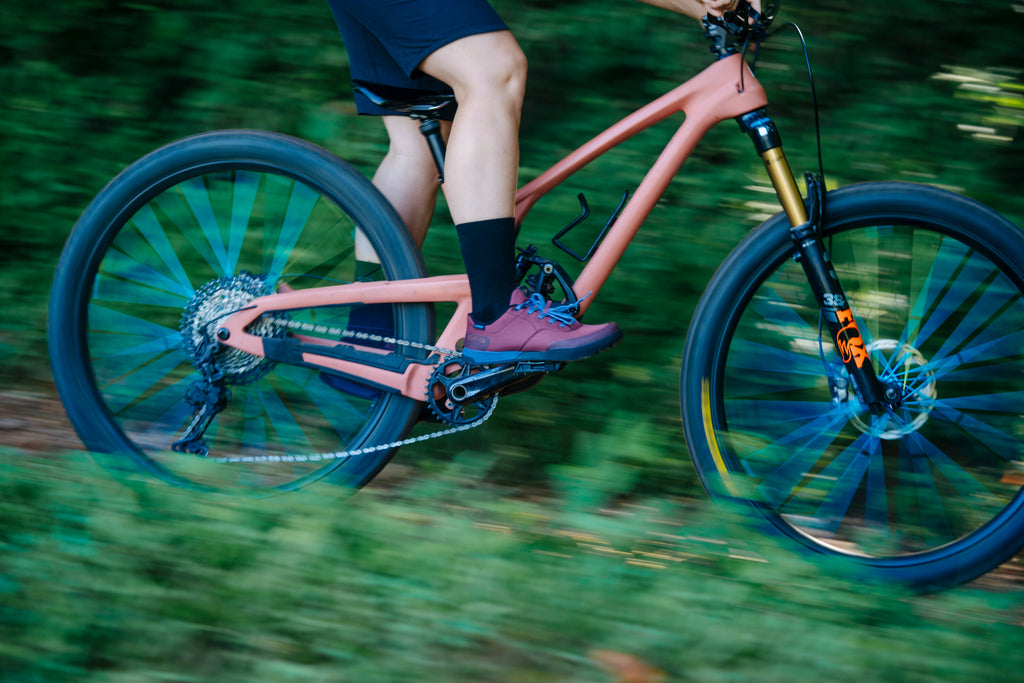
[407,102]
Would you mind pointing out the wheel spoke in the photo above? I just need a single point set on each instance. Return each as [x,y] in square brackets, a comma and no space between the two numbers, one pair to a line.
[806,446]
[943,262]
[753,355]
[143,379]
[974,273]
[243,200]
[135,278]
[300,205]
[966,484]
[286,422]
[847,472]
[198,199]
[147,223]
[157,421]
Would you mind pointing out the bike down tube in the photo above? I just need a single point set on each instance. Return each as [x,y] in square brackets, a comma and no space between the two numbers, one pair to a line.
[412,381]
[724,90]
[814,259]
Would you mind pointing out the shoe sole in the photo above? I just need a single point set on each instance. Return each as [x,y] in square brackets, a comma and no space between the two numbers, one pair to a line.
[569,354]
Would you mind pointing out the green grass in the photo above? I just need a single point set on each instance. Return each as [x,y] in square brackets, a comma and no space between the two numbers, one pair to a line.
[445,579]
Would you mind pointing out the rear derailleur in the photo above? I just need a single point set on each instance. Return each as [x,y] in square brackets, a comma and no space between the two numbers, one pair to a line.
[207,397]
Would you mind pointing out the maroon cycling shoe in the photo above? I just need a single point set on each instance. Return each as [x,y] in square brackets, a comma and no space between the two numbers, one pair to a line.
[535,329]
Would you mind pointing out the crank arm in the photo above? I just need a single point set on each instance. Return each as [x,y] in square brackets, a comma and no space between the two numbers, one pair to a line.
[495,379]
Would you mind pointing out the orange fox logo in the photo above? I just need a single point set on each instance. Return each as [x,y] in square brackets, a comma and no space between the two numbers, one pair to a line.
[848,339]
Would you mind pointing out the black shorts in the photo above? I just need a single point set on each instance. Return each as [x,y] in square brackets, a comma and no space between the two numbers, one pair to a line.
[387,39]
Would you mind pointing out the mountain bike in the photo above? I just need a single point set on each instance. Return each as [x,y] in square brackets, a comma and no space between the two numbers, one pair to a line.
[853,375]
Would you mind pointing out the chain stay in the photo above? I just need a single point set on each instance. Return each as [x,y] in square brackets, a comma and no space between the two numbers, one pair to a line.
[344,455]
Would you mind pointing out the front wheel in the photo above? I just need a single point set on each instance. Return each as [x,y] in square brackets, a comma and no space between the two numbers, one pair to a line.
[184,237]
[928,495]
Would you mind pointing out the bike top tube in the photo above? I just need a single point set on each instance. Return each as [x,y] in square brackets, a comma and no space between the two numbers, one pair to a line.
[724,90]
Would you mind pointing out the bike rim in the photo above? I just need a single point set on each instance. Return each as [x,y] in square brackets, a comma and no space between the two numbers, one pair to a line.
[945,324]
[209,225]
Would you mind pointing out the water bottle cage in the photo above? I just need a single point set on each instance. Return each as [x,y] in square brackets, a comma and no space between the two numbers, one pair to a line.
[584,214]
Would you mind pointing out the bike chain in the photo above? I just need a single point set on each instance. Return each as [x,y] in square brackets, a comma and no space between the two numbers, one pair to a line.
[339,455]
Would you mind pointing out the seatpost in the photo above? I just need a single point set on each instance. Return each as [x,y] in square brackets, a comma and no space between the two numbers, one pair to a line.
[805,230]
[431,129]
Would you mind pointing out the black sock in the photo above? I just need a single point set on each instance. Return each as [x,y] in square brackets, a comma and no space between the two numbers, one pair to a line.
[488,249]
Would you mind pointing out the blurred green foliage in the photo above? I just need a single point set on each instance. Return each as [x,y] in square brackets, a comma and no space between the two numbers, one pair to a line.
[930,90]
[444,580]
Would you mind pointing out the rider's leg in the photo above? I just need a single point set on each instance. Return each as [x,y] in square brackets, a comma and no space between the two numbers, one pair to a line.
[487,72]
[407,177]
[464,46]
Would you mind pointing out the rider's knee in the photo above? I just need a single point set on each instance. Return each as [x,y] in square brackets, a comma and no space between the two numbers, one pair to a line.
[488,68]
[512,73]
[506,75]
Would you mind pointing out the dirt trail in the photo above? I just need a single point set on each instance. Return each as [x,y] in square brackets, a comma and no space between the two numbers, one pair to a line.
[35,421]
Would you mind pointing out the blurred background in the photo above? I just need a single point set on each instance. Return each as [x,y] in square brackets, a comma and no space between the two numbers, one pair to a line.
[923,90]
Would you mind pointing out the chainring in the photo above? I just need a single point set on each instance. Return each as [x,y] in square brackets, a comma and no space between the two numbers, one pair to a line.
[441,405]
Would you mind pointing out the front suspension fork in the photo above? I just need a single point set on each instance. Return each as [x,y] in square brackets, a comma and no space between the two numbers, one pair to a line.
[805,230]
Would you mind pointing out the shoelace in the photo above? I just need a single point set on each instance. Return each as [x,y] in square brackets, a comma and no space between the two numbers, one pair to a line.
[560,313]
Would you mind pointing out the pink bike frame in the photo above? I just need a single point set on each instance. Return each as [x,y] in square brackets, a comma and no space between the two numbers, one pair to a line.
[723,91]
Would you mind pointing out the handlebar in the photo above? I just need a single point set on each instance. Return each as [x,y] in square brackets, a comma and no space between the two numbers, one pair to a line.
[731,32]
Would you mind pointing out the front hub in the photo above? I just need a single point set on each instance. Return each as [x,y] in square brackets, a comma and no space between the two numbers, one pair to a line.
[908,383]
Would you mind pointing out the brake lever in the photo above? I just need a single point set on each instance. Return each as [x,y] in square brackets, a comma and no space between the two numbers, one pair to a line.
[741,20]
[734,27]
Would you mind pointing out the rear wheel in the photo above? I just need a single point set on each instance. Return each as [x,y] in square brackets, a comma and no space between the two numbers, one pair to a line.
[186,235]
[929,494]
